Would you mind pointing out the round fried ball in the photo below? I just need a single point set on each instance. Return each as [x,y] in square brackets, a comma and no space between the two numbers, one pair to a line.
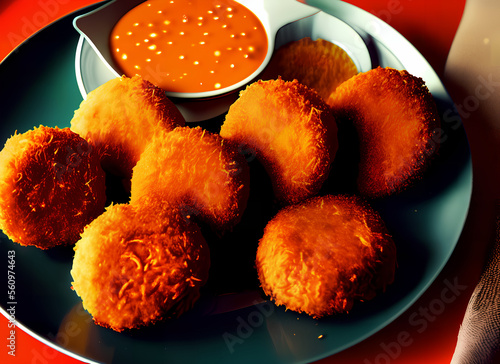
[396,119]
[197,170]
[120,117]
[292,132]
[321,256]
[51,186]
[136,265]
[318,64]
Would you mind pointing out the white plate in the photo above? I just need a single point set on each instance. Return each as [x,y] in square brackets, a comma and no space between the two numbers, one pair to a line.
[426,222]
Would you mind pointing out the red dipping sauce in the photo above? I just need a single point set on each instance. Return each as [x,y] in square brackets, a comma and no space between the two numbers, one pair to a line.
[189,46]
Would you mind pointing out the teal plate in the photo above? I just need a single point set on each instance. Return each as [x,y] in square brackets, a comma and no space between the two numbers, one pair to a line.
[232,322]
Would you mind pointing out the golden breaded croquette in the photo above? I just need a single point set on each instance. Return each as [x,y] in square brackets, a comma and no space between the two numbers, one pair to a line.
[195,169]
[321,256]
[51,186]
[120,117]
[318,64]
[292,132]
[136,265]
[396,118]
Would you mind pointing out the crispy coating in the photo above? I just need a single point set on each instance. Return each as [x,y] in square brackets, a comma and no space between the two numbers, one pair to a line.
[51,186]
[320,256]
[396,119]
[120,117]
[292,132]
[198,170]
[318,64]
[136,265]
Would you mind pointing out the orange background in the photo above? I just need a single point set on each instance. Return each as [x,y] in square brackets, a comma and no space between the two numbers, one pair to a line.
[430,26]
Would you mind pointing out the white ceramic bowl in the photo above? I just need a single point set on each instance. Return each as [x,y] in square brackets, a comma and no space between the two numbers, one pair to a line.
[283,20]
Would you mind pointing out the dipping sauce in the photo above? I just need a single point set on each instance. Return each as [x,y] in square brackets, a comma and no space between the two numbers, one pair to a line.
[189,46]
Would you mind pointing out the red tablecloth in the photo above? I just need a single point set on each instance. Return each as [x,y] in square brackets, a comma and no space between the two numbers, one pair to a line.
[427,332]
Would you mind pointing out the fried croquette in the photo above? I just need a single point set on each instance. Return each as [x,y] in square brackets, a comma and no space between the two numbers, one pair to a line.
[51,186]
[396,118]
[199,171]
[321,256]
[120,117]
[318,64]
[136,265]
[292,132]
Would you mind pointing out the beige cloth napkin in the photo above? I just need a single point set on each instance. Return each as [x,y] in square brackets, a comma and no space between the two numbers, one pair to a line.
[472,75]
[479,336]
